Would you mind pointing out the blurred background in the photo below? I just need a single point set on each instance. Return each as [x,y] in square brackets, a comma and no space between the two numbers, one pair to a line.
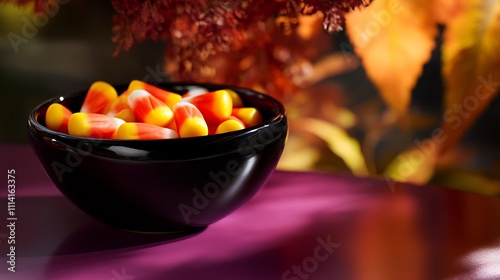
[338,121]
[71,51]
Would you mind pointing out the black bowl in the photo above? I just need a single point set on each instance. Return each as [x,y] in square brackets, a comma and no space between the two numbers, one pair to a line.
[161,185]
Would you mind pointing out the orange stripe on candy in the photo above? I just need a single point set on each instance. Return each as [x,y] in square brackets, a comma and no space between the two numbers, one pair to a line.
[98,97]
[167,97]
[149,109]
[93,125]
[57,117]
[189,120]
[215,106]
[144,131]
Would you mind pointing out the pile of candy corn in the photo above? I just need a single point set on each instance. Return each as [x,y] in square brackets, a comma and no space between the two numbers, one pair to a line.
[145,111]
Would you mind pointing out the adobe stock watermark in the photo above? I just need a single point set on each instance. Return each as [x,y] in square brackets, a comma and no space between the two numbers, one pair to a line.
[221,179]
[372,28]
[32,25]
[310,264]
[121,275]
[156,75]
[453,116]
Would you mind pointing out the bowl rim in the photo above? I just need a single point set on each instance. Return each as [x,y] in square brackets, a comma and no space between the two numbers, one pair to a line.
[275,119]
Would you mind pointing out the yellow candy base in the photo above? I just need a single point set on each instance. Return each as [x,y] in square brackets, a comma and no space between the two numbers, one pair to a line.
[193,127]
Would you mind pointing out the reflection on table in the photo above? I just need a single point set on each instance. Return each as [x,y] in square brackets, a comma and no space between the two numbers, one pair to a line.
[299,226]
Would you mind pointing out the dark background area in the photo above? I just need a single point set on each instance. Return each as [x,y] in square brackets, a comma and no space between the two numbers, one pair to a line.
[67,54]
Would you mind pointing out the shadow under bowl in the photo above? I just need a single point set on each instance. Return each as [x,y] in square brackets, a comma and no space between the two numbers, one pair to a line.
[161,185]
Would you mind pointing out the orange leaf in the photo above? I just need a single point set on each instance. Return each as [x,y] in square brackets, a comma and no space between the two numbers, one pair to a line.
[471,66]
[447,10]
[394,38]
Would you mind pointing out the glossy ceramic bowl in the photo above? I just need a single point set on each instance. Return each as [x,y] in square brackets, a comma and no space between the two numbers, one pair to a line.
[161,185]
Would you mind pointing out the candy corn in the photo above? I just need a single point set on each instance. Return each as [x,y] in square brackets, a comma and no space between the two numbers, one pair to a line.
[93,125]
[149,109]
[215,106]
[237,102]
[144,111]
[172,126]
[189,120]
[126,115]
[57,117]
[248,115]
[167,97]
[231,124]
[119,108]
[99,95]
[144,131]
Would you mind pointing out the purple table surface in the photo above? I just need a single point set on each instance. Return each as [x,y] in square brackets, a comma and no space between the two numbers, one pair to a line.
[299,226]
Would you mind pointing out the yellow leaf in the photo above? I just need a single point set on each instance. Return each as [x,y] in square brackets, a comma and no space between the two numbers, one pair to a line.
[298,155]
[339,142]
[471,66]
[468,181]
[10,15]
[394,38]
[415,165]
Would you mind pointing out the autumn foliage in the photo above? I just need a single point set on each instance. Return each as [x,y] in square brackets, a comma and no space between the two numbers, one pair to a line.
[397,36]
[250,43]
